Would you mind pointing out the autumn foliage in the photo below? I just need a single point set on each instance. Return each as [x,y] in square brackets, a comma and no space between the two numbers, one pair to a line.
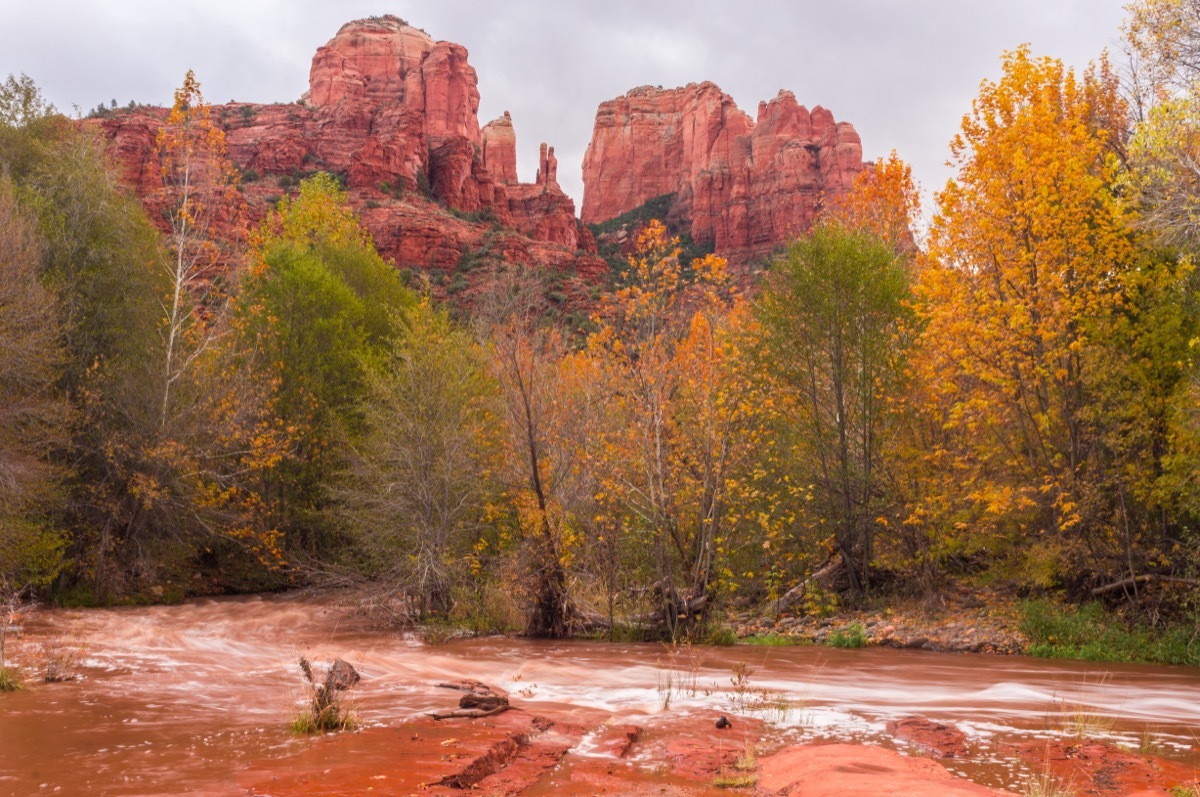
[1007,393]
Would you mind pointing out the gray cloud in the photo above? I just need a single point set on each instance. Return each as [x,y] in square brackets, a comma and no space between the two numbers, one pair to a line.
[902,71]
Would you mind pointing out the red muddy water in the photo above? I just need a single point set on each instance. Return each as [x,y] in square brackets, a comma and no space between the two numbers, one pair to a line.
[196,700]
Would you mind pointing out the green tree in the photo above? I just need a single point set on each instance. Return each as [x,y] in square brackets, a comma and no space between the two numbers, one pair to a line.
[28,124]
[97,252]
[319,311]
[420,484]
[33,416]
[832,315]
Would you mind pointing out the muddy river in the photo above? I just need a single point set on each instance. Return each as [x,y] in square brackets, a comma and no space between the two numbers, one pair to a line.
[182,700]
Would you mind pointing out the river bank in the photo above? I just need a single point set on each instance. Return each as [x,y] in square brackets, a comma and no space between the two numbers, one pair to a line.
[959,620]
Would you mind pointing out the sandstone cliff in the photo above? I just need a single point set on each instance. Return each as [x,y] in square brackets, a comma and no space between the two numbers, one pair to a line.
[395,115]
[741,185]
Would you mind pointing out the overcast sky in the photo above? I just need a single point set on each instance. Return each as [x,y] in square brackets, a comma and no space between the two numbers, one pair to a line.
[902,71]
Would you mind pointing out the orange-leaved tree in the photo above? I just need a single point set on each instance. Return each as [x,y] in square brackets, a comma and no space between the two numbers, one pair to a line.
[1029,254]
[884,201]
[677,426]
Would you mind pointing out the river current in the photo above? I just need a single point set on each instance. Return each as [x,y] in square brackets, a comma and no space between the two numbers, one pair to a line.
[179,699]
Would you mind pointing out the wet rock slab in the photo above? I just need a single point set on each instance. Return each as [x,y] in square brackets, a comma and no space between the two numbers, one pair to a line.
[1097,768]
[835,770]
[936,738]
[512,753]
[503,754]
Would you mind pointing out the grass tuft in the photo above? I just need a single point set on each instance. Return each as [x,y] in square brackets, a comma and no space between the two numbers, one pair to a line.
[10,681]
[1044,785]
[852,636]
[735,780]
[1090,633]
[326,710]
[774,640]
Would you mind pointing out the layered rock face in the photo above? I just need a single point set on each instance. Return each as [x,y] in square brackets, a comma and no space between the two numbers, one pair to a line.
[395,114]
[740,184]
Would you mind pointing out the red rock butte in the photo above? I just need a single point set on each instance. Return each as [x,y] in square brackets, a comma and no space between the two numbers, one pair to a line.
[741,185]
[395,115]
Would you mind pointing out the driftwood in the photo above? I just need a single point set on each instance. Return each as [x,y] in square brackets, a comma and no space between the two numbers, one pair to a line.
[479,701]
[825,577]
[677,611]
[469,713]
[1142,579]
[340,677]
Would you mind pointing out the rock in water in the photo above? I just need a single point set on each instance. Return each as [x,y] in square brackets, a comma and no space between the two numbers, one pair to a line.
[341,676]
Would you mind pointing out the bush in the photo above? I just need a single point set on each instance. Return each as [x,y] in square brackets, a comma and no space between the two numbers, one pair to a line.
[489,608]
[723,636]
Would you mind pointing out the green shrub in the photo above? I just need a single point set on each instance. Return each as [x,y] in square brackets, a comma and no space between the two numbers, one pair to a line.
[852,636]
[723,636]
[773,640]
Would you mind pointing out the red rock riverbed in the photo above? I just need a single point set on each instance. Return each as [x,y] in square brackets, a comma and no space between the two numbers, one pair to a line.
[196,700]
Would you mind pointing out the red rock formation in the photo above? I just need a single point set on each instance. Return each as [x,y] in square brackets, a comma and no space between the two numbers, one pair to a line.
[500,149]
[394,113]
[742,185]
[379,59]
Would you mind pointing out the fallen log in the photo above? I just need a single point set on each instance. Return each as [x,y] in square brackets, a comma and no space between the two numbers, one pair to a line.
[469,713]
[825,578]
[1142,579]
[479,701]
[473,687]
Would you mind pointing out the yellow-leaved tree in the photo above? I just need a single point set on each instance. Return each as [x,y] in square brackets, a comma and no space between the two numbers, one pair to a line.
[675,456]
[1029,256]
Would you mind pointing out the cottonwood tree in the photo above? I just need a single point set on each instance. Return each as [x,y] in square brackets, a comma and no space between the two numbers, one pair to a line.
[33,415]
[1157,335]
[420,485]
[199,197]
[832,314]
[1030,255]
[525,356]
